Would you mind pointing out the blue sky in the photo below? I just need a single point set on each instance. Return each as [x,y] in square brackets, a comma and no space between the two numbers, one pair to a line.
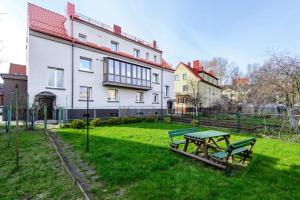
[241,31]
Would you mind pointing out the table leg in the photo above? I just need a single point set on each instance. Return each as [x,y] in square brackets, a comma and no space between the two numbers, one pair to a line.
[227,140]
[205,149]
[186,144]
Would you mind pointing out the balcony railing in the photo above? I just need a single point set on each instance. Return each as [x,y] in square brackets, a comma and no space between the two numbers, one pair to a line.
[109,28]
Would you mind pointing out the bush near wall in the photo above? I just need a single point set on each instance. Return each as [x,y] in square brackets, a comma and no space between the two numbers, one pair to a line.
[77,124]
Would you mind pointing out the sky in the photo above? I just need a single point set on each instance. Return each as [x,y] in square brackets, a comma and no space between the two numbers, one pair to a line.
[243,32]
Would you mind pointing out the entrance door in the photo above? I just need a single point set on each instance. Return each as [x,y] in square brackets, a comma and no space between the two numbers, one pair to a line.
[45,99]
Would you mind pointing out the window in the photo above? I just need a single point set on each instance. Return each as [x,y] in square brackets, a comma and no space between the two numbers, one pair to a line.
[85,64]
[112,95]
[155,78]
[154,58]
[209,90]
[139,97]
[55,77]
[123,72]
[85,92]
[147,56]
[185,88]
[82,38]
[114,46]
[183,76]
[136,53]
[176,78]
[167,91]
[155,98]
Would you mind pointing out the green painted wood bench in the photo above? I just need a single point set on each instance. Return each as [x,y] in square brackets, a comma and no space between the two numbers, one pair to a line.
[175,133]
[242,148]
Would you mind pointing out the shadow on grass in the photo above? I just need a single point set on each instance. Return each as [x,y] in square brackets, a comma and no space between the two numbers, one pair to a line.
[149,171]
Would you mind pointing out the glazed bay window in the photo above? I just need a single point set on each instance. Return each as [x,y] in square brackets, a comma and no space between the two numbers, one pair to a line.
[125,74]
[112,95]
[85,64]
[85,92]
[55,77]
[139,97]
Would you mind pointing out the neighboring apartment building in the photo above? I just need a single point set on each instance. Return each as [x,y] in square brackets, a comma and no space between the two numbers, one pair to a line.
[238,91]
[15,77]
[71,54]
[208,86]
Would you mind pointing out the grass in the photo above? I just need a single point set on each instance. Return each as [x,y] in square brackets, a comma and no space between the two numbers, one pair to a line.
[40,175]
[134,162]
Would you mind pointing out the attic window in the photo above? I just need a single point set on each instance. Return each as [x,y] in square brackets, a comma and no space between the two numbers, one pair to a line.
[82,37]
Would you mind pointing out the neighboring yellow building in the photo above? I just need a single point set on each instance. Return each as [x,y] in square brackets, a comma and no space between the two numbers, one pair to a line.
[207,84]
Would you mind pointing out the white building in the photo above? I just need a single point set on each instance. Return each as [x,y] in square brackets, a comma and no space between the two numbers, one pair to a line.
[67,54]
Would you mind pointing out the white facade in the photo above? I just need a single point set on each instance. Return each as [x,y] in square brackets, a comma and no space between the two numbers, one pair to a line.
[46,52]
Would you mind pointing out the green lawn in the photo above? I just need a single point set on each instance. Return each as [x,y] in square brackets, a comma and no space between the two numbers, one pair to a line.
[134,162]
[40,176]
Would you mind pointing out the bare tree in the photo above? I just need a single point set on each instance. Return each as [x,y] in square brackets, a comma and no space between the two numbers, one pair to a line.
[193,95]
[219,65]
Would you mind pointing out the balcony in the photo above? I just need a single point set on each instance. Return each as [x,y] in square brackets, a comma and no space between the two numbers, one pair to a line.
[123,74]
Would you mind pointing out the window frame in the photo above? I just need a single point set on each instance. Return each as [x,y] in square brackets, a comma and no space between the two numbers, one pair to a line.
[55,77]
[184,76]
[155,78]
[136,53]
[86,59]
[116,93]
[167,91]
[86,87]
[114,43]
[185,90]
[153,98]
[82,37]
[141,100]
[177,77]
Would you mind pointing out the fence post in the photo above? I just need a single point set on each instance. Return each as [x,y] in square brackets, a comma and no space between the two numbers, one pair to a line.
[59,115]
[45,118]
[33,117]
[238,117]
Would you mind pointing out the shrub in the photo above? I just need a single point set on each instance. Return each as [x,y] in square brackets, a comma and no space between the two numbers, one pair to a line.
[113,121]
[167,119]
[195,122]
[77,124]
[66,126]
[96,122]
[150,119]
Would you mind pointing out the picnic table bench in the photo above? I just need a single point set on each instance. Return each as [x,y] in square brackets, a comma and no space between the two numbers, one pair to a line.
[175,133]
[209,139]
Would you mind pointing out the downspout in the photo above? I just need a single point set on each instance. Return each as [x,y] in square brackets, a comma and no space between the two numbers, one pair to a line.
[72,78]
[161,98]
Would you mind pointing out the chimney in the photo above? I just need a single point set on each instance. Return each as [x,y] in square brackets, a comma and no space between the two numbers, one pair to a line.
[117,29]
[196,65]
[189,64]
[154,44]
[70,9]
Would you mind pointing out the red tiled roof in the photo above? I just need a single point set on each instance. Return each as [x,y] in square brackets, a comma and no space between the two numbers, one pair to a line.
[51,23]
[41,19]
[240,81]
[196,74]
[17,69]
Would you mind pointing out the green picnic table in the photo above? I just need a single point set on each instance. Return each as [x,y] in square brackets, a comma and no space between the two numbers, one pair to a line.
[205,139]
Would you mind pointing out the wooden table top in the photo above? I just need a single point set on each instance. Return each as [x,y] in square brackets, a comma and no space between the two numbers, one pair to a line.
[206,134]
